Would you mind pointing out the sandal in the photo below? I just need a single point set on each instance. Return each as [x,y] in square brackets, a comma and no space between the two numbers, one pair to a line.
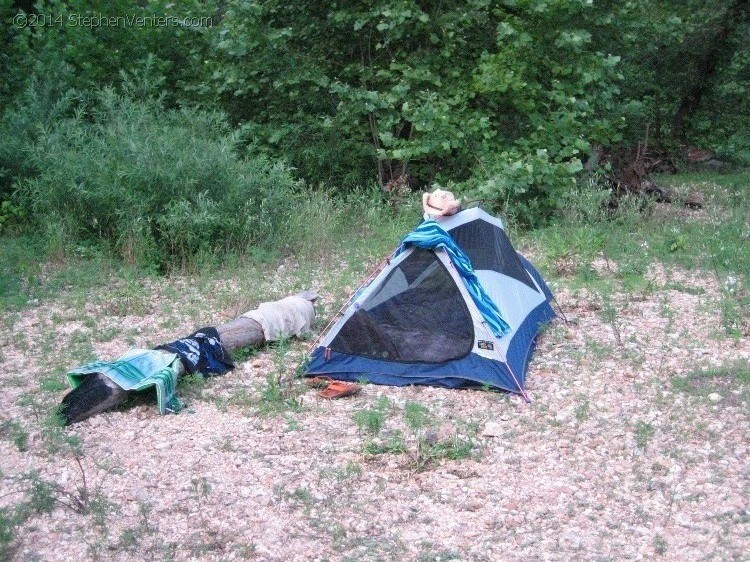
[339,389]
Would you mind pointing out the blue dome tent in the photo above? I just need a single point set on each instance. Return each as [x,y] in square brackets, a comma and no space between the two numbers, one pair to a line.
[456,306]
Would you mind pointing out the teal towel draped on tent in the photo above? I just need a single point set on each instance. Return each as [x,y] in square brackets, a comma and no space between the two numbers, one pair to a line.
[429,235]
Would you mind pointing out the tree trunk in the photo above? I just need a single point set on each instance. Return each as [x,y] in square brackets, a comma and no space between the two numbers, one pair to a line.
[97,393]
[705,67]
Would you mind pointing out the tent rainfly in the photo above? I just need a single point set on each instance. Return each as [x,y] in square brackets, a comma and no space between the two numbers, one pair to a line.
[455,307]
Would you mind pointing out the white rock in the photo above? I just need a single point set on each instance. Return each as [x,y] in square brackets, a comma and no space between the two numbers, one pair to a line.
[714,397]
[492,429]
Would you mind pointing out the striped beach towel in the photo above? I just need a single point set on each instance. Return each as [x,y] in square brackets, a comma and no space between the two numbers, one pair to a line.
[139,369]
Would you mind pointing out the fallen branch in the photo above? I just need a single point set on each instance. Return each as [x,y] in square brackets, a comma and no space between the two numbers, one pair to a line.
[98,393]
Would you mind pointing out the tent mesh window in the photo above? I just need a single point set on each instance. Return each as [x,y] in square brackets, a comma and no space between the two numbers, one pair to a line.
[488,247]
[417,315]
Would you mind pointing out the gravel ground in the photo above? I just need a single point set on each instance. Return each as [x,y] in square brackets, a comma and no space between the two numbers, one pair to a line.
[623,454]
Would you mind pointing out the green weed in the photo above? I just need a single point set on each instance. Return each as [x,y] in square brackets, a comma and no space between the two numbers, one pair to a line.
[351,470]
[430,555]
[292,424]
[191,386]
[52,383]
[103,335]
[429,452]
[643,433]
[371,420]
[15,433]
[416,415]
[57,441]
[281,392]
[276,399]
[38,496]
[582,409]
[735,308]
[128,540]
[636,235]
[242,354]
[660,545]
[394,444]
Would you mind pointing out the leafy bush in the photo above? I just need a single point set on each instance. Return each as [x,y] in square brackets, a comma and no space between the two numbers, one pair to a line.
[159,186]
[35,109]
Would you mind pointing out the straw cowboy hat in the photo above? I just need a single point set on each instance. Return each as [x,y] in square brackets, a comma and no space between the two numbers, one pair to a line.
[440,203]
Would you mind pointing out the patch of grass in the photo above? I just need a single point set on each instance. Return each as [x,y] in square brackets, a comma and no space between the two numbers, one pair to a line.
[393,444]
[660,545]
[129,297]
[429,452]
[582,409]
[350,471]
[128,540]
[430,555]
[735,308]
[20,272]
[644,432]
[191,386]
[609,315]
[371,420]
[52,383]
[57,441]
[714,239]
[40,496]
[99,507]
[146,538]
[416,416]
[276,398]
[733,376]
[278,394]
[681,287]
[28,273]
[301,497]
[292,424]
[103,335]
[37,497]
[13,431]
[596,350]
[242,354]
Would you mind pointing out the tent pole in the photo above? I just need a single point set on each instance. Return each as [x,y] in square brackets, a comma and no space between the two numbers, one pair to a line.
[373,274]
[523,393]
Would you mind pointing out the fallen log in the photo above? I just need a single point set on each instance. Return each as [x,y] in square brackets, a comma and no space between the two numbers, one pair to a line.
[98,393]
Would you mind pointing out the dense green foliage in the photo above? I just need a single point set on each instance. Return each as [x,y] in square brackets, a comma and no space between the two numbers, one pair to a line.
[503,101]
[463,92]
[685,71]
[159,184]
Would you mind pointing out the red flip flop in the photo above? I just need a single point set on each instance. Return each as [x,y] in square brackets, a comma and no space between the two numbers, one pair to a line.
[339,389]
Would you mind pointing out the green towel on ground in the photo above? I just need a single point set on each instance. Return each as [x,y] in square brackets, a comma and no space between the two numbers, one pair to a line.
[139,369]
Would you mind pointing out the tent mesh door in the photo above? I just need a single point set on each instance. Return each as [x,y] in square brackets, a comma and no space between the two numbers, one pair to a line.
[417,315]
